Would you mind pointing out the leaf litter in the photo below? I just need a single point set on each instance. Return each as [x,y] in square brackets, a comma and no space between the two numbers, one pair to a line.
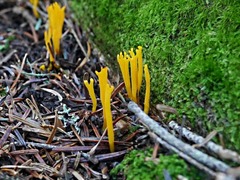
[47,129]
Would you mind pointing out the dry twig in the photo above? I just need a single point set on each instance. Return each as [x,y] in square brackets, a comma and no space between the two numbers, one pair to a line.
[210,146]
[199,156]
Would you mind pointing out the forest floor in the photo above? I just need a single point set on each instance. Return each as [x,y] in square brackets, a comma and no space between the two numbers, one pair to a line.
[47,129]
[34,142]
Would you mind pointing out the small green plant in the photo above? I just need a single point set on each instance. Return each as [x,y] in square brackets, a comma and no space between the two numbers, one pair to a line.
[4,46]
[3,92]
[139,165]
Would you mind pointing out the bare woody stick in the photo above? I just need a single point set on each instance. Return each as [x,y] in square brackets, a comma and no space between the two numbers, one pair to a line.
[199,156]
[181,154]
[211,146]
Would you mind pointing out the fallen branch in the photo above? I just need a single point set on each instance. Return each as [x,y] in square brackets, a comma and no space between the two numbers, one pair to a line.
[181,154]
[199,156]
[210,146]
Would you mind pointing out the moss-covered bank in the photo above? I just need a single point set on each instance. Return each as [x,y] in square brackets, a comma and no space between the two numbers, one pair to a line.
[138,164]
[192,48]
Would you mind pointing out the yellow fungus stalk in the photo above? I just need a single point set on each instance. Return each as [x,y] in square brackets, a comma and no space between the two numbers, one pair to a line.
[56,16]
[47,39]
[105,96]
[147,93]
[35,5]
[42,67]
[132,80]
[90,88]
[108,116]
[102,77]
[134,75]
[123,62]
[53,35]
[139,69]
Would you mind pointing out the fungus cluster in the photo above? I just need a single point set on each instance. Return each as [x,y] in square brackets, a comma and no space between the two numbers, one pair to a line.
[131,66]
[105,96]
[132,70]
[53,35]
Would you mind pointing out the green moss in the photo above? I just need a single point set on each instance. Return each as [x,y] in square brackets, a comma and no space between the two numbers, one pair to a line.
[191,47]
[138,165]
[4,44]
[3,92]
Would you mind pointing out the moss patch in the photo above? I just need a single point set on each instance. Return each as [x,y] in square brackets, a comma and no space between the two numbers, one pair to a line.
[191,47]
[138,165]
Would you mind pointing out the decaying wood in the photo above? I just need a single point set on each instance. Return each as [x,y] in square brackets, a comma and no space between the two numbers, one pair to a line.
[210,146]
[195,154]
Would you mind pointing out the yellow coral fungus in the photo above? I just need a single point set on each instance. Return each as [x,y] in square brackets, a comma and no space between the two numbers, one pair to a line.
[124,66]
[102,76]
[90,88]
[136,71]
[47,39]
[56,16]
[53,35]
[108,116]
[134,75]
[35,5]
[140,68]
[147,93]
[105,96]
